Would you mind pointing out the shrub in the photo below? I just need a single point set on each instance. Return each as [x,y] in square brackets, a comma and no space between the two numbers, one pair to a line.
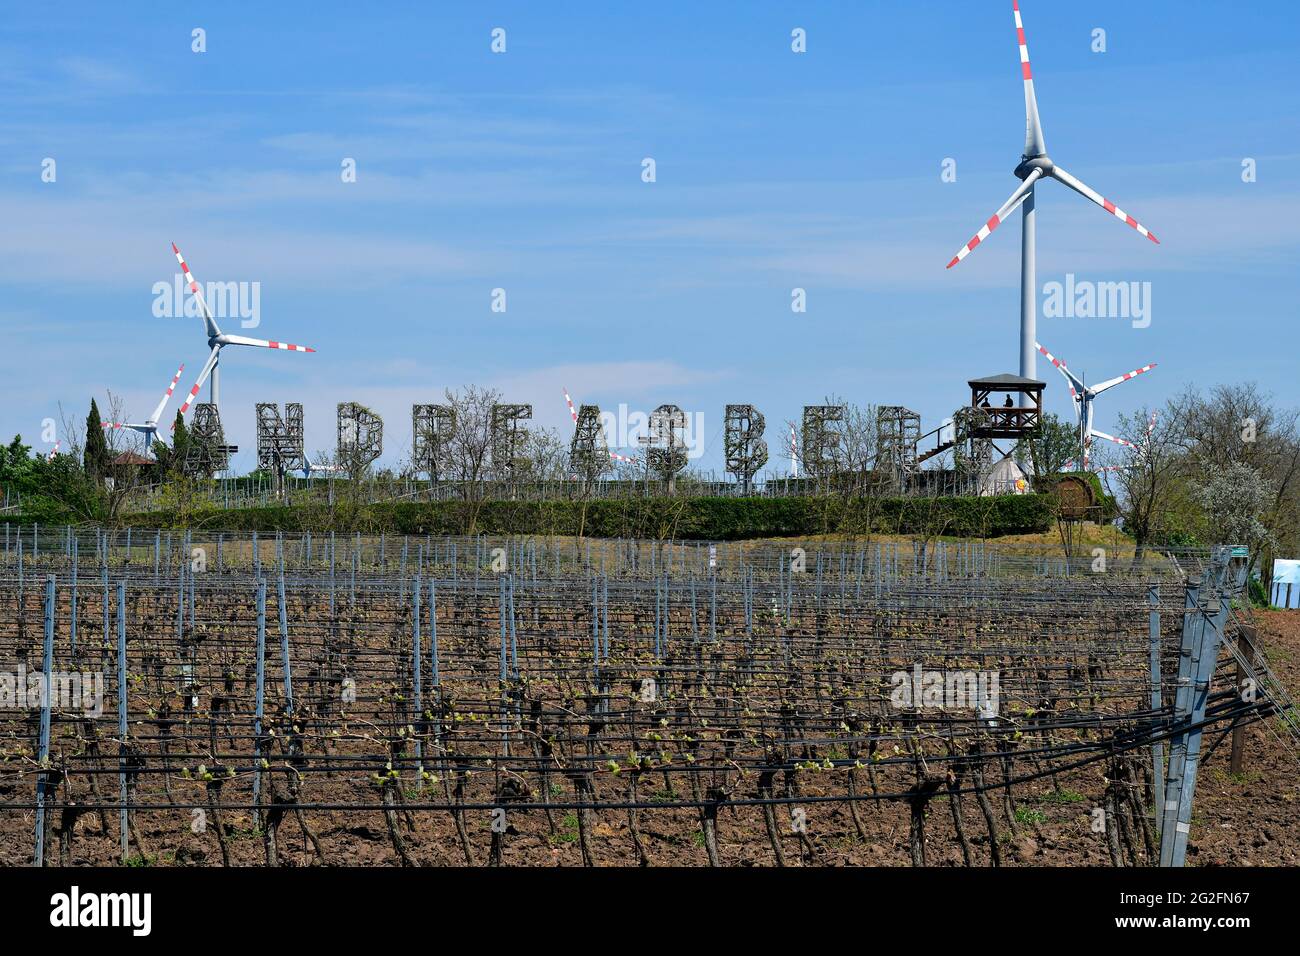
[718,519]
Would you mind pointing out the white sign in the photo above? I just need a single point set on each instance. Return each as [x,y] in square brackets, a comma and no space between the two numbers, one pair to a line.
[1286,573]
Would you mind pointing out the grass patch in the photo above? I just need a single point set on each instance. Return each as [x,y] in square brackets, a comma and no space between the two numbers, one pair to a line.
[1064,795]
[570,832]
[1028,815]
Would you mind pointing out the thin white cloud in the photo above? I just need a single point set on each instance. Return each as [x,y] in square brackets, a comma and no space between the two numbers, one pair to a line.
[78,244]
[94,76]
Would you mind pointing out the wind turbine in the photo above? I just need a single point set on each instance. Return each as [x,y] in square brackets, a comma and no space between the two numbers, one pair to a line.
[1034,165]
[1083,396]
[573,413]
[149,427]
[217,340]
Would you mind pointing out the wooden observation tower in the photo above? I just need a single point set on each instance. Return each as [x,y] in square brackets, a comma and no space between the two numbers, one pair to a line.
[1006,417]
[1001,406]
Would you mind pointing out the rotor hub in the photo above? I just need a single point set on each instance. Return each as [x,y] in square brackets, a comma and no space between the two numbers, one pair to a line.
[1043,163]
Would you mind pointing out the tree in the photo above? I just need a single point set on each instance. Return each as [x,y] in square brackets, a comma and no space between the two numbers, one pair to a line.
[469,448]
[51,490]
[17,467]
[97,459]
[545,456]
[1235,499]
[1240,424]
[866,476]
[1056,443]
[171,460]
[852,459]
[858,431]
[1151,479]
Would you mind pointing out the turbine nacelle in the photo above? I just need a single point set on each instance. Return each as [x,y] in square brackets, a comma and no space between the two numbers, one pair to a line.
[1028,164]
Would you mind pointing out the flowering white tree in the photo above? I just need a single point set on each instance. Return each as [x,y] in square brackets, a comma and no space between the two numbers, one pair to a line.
[1235,498]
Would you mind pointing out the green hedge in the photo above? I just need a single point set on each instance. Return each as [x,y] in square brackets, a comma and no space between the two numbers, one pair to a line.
[719,519]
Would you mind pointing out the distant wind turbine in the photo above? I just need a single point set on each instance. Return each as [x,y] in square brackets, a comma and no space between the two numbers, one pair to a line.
[149,427]
[1083,396]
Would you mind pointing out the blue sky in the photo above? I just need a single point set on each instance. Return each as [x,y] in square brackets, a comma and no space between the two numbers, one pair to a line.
[522,171]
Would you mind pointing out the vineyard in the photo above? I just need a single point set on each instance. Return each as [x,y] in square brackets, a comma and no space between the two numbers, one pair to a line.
[411,701]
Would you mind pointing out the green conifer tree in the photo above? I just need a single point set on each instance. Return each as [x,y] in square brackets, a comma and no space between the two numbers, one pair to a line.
[96,458]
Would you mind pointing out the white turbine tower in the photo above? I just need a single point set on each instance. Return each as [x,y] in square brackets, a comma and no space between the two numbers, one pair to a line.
[217,340]
[1035,164]
[149,427]
[1083,396]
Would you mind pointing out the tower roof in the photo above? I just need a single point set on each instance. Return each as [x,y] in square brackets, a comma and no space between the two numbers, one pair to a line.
[1008,381]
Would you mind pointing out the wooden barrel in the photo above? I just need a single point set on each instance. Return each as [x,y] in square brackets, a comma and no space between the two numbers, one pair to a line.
[1076,499]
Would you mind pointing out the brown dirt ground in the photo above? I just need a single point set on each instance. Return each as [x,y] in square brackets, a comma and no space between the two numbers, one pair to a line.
[1249,819]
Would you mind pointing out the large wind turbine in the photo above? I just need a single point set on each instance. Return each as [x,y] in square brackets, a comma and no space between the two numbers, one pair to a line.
[149,427]
[1083,396]
[217,340]
[1035,164]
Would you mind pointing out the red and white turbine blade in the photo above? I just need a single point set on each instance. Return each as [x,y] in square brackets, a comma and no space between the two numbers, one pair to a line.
[208,322]
[263,343]
[157,412]
[1070,378]
[1034,145]
[1111,382]
[998,217]
[208,366]
[1070,466]
[1083,189]
[1151,426]
[572,411]
[1118,441]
